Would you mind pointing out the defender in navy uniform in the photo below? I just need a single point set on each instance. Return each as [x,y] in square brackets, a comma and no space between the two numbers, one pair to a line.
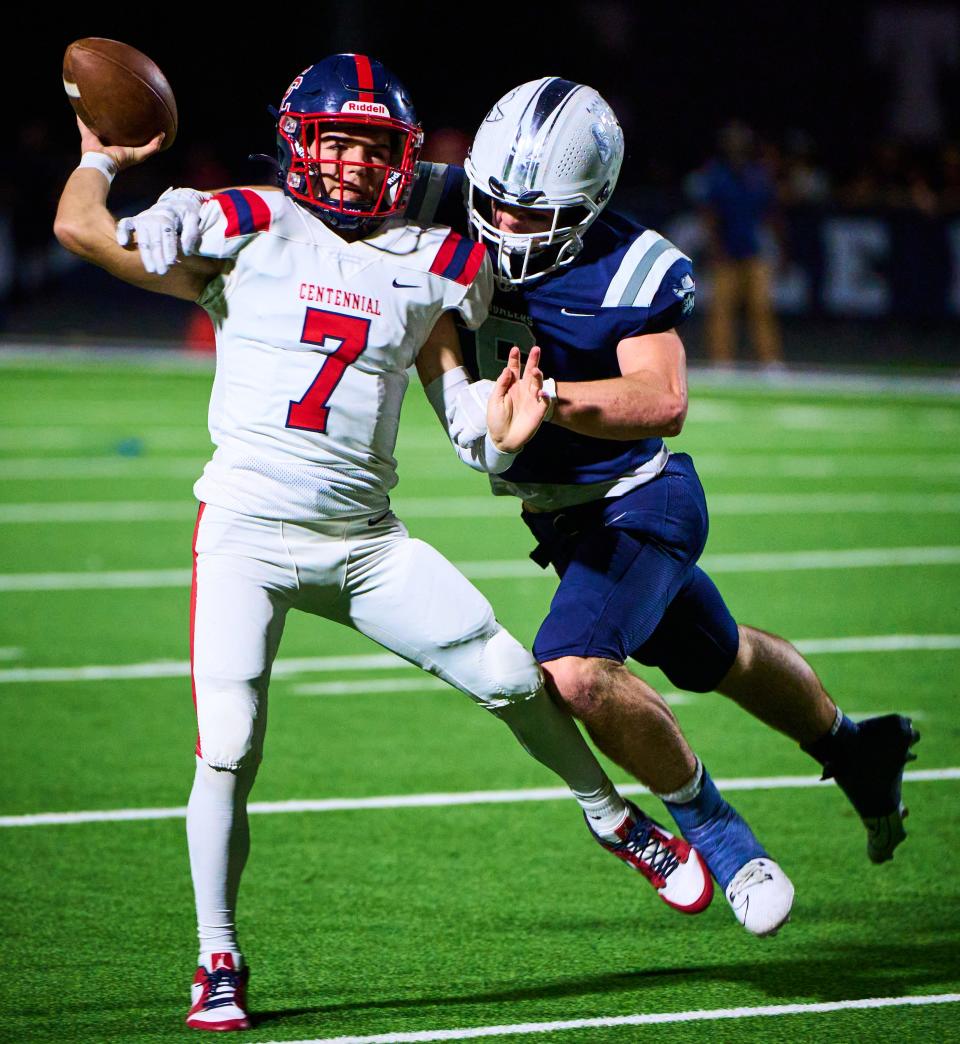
[620,518]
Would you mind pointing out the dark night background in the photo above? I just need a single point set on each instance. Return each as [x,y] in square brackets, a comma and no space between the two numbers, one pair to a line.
[810,78]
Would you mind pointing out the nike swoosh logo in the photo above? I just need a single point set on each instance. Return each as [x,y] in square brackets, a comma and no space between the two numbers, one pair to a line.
[406,286]
[379,518]
[580,315]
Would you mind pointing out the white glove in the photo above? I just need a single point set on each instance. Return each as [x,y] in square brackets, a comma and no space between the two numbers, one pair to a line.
[467,414]
[172,222]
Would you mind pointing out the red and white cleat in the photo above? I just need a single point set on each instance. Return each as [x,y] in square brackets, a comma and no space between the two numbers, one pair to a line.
[219,994]
[669,863]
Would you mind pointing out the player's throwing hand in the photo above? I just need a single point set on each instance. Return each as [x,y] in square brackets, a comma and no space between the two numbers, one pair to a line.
[123,155]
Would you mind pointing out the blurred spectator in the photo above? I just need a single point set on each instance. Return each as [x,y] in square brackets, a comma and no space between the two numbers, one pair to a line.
[737,195]
[894,177]
[916,43]
[802,181]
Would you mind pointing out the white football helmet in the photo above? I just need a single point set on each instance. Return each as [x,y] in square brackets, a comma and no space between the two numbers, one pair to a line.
[552,145]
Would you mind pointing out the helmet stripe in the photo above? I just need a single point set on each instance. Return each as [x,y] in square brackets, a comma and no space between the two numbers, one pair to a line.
[364,77]
[549,99]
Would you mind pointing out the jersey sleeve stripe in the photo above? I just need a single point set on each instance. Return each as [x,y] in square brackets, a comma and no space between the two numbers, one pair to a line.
[633,257]
[474,262]
[427,192]
[434,193]
[459,260]
[229,207]
[441,263]
[651,284]
[245,211]
[642,272]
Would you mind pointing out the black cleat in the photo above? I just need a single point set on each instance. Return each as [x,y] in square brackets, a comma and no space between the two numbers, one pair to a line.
[871,776]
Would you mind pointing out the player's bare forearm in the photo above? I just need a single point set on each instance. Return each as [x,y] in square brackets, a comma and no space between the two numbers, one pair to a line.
[440,351]
[649,398]
[620,408]
[86,228]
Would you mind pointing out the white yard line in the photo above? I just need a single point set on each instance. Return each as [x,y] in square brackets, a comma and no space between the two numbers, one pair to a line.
[646,1019]
[369,685]
[520,568]
[393,801]
[828,382]
[879,643]
[284,667]
[721,504]
[116,466]
[423,683]
[734,461]
[181,669]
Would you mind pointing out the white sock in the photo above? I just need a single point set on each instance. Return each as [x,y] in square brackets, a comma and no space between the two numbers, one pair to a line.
[688,791]
[550,735]
[605,811]
[218,835]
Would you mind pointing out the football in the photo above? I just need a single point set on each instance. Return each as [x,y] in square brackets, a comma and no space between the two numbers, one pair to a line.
[118,92]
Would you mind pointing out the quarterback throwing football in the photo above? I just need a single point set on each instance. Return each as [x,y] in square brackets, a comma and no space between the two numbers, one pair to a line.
[322,296]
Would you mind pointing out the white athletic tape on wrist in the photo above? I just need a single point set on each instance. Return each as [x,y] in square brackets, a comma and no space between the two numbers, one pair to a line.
[549,392]
[102,162]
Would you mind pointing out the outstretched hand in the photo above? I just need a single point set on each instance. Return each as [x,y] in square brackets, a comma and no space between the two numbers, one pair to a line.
[123,155]
[517,406]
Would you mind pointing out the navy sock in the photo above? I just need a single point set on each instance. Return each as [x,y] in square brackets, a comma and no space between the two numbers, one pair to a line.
[717,831]
[704,806]
[837,745]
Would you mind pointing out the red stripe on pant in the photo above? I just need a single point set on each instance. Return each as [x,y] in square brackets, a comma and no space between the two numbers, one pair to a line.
[193,617]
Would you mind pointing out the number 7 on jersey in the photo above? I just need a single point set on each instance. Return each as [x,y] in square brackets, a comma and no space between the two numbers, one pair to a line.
[311,412]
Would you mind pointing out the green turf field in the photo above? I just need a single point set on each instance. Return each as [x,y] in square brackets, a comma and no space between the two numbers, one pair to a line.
[834,522]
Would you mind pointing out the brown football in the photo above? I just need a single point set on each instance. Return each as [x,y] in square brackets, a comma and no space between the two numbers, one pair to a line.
[118,92]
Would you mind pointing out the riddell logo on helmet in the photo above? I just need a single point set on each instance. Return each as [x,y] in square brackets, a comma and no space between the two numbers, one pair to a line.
[368,108]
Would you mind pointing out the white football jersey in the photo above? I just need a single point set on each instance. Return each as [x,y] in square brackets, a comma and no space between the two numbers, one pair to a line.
[314,338]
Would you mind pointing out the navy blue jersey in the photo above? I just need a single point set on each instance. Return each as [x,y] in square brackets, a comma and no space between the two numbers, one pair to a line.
[627,281]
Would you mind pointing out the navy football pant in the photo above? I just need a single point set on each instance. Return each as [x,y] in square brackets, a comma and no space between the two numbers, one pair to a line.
[630,585]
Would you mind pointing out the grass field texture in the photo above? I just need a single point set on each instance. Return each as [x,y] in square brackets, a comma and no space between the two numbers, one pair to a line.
[446,906]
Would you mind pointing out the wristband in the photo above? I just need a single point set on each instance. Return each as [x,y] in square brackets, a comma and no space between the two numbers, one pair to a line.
[102,162]
[549,392]
[495,461]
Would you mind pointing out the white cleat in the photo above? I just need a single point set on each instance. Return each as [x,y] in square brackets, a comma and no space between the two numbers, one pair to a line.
[761,896]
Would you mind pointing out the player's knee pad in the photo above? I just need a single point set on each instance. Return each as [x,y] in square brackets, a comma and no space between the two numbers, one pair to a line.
[227,717]
[509,671]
